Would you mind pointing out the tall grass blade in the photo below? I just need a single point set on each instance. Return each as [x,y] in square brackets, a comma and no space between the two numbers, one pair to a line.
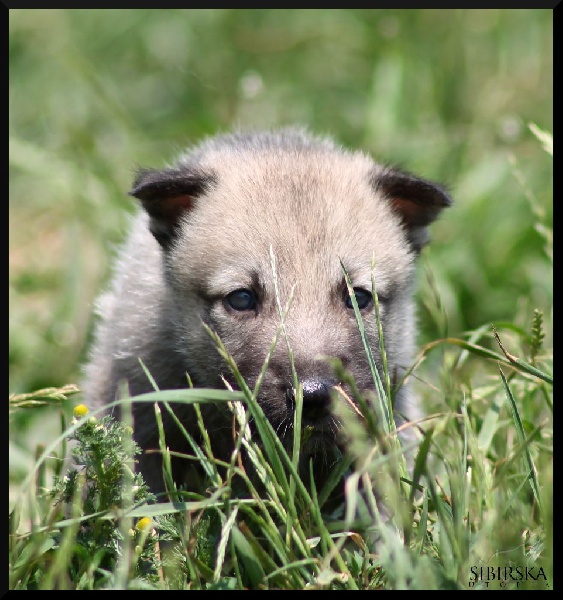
[383,402]
[486,353]
[226,529]
[251,563]
[532,473]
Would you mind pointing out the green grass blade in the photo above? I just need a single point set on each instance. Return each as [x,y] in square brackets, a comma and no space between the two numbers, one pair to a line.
[226,529]
[486,353]
[489,425]
[384,402]
[248,557]
[532,474]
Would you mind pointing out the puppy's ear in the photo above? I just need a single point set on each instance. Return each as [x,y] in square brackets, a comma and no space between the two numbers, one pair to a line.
[417,202]
[166,195]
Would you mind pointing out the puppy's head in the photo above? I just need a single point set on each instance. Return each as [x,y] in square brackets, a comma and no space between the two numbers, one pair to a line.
[232,204]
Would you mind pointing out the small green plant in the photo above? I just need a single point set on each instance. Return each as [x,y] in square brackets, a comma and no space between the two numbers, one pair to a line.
[86,535]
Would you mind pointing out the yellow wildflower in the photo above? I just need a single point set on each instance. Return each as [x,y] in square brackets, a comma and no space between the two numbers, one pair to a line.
[81,410]
[144,523]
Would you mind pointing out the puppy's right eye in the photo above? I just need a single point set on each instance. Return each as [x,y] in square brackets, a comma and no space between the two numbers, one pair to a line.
[241,300]
[363,298]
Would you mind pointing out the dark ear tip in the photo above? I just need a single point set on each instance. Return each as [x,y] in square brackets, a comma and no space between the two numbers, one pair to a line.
[397,183]
[430,192]
[146,181]
[445,196]
[135,192]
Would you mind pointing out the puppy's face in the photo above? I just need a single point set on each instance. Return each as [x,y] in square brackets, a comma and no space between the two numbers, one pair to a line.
[221,222]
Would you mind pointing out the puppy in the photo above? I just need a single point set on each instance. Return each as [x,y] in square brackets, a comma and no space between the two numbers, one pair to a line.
[199,252]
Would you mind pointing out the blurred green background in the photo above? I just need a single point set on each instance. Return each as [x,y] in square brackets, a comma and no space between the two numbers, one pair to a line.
[447,94]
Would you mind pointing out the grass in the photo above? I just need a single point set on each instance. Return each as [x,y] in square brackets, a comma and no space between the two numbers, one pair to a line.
[460,96]
[479,495]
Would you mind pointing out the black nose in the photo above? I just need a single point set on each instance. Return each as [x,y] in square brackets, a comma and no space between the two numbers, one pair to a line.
[316,398]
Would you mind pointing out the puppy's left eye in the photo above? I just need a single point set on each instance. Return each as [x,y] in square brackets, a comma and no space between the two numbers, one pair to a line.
[363,298]
[241,300]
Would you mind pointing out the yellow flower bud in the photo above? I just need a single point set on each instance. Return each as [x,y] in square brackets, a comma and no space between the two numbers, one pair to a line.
[81,410]
[144,523]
